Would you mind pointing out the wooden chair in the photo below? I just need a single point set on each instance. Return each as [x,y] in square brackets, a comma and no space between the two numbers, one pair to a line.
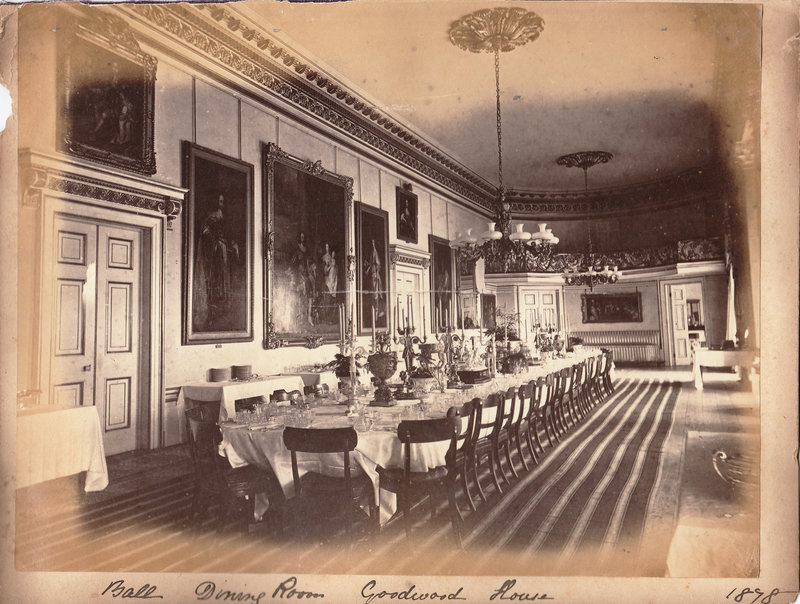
[521,424]
[560,385]
[487,427]
[535,418]
[467,416]
[406,483]
[313,488]
[593,389]
[574,394]
[209,410]
[215,482]
[502,439]
[608,361]
[547,412]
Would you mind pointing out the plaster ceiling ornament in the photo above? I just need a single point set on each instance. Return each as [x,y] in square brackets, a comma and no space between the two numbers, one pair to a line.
[584,272]
[494,31]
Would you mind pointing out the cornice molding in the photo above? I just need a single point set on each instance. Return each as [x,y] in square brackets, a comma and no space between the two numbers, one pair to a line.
[230,40]
[271,66]
[692,186]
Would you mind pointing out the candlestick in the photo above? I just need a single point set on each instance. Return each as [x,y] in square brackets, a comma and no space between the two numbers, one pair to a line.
[424,336]
[373,329]
[411,314]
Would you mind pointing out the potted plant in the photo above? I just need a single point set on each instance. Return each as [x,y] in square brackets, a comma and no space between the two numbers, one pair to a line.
[575,343]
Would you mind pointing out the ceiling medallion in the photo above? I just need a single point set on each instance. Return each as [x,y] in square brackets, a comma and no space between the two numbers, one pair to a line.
[494,31]
[585,273]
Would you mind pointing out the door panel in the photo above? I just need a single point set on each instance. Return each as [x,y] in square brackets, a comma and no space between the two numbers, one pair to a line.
[96,312]
[680,328]
[119,275]
[72,308]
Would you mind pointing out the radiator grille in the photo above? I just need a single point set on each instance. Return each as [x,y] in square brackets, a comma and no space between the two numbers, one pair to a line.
[628,346]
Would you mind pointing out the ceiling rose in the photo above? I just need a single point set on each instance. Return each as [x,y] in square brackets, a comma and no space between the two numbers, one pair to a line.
[496,29]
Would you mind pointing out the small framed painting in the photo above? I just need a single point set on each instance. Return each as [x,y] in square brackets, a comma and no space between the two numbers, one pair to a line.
[407,212]
[218,250]
[441,283]
[372,246]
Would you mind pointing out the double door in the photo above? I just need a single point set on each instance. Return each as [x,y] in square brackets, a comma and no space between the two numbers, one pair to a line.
[95,304]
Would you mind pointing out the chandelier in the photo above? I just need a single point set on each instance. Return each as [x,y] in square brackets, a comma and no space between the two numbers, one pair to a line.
[586,273]
[494,31]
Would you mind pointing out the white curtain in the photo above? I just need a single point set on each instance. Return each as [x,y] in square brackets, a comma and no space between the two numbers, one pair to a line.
[730,328]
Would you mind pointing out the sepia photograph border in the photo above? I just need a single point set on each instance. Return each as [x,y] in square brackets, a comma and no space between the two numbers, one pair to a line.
[778,528]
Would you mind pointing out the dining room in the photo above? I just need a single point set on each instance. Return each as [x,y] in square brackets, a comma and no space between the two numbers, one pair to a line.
[467,304]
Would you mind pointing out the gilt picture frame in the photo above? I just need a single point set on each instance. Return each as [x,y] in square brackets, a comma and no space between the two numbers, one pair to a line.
[407,210]
[308,248]
[106,95]
[441,283]
[218,248]
[612,308]
[372,276]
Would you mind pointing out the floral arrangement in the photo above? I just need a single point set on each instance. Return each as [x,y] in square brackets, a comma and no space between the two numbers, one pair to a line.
[544,342]
[341,363]
[573,340]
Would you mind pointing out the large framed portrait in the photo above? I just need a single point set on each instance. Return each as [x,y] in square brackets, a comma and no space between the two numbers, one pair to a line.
[106,95]
[407,211]
[612,308]
[218,249]
[307,222]
[441,283]
[372,278]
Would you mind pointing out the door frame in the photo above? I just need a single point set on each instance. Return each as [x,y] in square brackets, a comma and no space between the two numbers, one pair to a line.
[668,337]
[152,226]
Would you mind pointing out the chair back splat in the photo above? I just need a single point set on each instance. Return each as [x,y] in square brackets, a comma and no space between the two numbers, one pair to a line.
[345,487]
[406,482]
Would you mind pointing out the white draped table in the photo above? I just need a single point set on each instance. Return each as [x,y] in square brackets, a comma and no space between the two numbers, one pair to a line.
[702,357]
[264,447]
[55,441]
[233,390]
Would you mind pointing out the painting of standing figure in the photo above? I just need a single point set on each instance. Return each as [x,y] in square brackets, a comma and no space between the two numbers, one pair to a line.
[306,214]
[217,248]
[372,237]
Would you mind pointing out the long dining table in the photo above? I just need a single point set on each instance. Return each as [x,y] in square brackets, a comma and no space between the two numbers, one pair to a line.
[261,444]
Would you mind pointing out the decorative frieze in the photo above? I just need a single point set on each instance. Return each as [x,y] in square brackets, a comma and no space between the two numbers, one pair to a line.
[36,177]
[690,250]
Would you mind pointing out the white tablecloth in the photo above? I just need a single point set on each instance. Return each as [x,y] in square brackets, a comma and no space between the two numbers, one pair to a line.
[702,357]
[56,442]
[265,448]
[229,392]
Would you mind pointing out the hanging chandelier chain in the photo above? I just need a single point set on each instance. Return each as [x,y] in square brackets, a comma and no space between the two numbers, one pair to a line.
[499,122]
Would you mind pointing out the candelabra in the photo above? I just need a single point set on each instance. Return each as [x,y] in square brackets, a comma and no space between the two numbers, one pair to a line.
[450,343]
[586,274]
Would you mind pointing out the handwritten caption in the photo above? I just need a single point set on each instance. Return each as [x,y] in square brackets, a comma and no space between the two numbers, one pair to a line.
[759,597]
[288,589]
